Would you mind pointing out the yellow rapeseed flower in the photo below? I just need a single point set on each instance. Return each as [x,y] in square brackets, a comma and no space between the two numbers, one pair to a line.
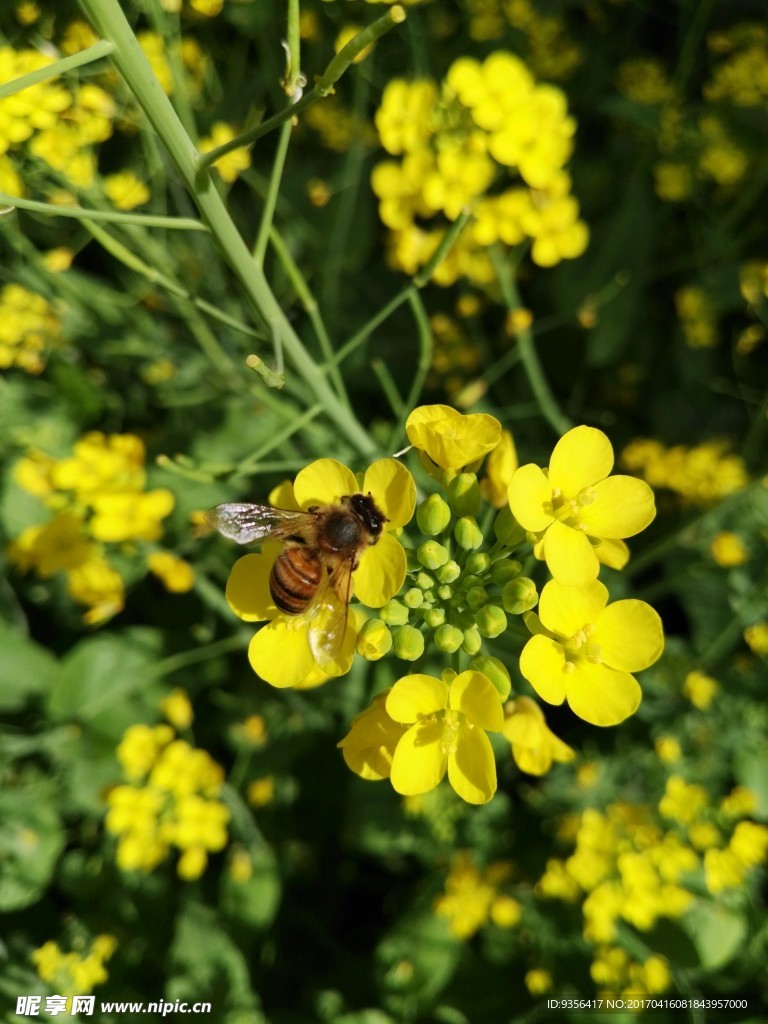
[229,166]
[450,439]
[534,746]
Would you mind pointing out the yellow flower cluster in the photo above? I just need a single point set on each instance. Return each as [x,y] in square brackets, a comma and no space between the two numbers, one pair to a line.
[337,126]
[701,475]
[170,799]
[697,318]
[72,972]
[741,77]
[550,50]
[98,497]
[756,638]
[488,126]
[56,124]
[472,899]
[456,356]
[28,326]
[645,80]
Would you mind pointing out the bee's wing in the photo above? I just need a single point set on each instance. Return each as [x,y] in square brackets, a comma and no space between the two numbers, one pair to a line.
[244,523]
[328,613]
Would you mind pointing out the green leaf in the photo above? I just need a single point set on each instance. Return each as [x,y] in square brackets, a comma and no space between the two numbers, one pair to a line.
[26,669]
[717,933]
[103,669]
[31,839]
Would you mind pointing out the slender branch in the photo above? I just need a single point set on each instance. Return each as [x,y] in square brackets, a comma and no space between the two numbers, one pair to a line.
[143,220]
[323,86]
[93,53]
[548,405]
[270,200]
[108,19]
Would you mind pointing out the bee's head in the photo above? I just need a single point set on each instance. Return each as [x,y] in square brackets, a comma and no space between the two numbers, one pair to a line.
[367,511]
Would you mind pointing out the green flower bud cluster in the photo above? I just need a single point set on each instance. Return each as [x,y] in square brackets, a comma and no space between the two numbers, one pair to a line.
[461,586]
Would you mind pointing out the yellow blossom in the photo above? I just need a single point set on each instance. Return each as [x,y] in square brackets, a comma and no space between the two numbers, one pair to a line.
[450,439]
[126,190]
[230,165]
[728,549]
[700,689]
[177,576]
[177,708]
[534,746]
[261,791]
[756,638]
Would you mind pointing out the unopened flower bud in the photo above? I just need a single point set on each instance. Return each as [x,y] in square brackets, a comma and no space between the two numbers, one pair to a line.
[449,572]
[424,581]
[507,529]
[468,534]
[477,563]
[413,598]
[496,671]
[432,555]
[504,570]
[409,643]
[394,613]
[464,495]
[477,597]
[519,595]
[374,640]
[433,515]
[491,620]
[472,641]
[434,617]
[448,638]
[445,593]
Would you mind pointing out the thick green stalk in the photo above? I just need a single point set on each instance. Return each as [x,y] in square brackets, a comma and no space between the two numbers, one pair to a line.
[110,22]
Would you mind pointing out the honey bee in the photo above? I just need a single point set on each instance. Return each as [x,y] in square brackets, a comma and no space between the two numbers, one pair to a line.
[312,575]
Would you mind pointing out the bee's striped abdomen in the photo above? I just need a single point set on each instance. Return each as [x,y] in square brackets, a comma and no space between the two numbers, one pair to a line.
[294,580]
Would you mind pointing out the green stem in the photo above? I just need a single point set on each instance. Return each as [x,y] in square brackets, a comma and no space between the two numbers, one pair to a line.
[548,405]
[426,345]
[251,464]
[308,301]
[270,200]
[294,80]
[59,67]
[323,86]
[388,386]
[161,22]
[144,220]
[109,20]
[412,288]
[184,659]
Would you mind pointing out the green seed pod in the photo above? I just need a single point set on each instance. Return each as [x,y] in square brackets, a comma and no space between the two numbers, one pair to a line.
[507,529]
[374,640]
[448,638]
[394,613]
[491,620]
[449,572]
[472,641]
[464,495]
[434,617]
[409,643]
[432,555]
[478,563]
[519,595]
[496,671]
[433,515]
[468,534]
[504,570]
[413,598]
[476,597]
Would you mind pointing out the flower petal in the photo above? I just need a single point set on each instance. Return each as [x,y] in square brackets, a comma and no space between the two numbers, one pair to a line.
[280,652]
[419,761]
[622,507]
[472,768]
[570,557]
[475,696]
[248,586]
[451,439]
[580,458]
[415,696]
[370,744]
[542,663]
[600,695]
[381,572]
[630,635]
[393,489]
[283,496]
[323,482]
[530,498]
[566,610]
[613,553]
